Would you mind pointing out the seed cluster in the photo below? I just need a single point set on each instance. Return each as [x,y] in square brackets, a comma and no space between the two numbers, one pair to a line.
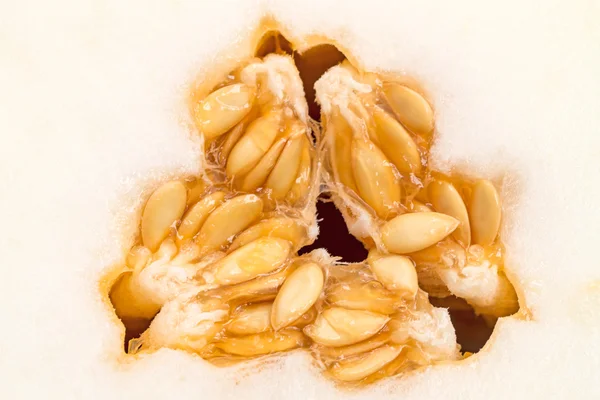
[216,268]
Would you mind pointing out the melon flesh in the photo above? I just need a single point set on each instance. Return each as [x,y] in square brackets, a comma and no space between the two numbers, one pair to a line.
[93,112]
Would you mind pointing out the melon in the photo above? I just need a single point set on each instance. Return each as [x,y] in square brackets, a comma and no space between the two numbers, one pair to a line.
[300,200]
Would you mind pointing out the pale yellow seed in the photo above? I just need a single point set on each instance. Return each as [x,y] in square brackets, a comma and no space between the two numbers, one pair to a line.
[251,319]
[396,143]
[359,368]
[407,233]
[340,143]
[302,184]
[262,343]
[229,219]
[375,179]
[445,199]
[251,147]
[262,288]
[321,332]
[258,257]
[358,348]
[165,206]
[485,213]
[198,213]
[366,123]
[410,107]
[397,273]
[338,326]
[297,295]
[235,134]
[284,174]
[223,109]
[258,175]
[355,322]
[370,296]
[230,140]
[290,229]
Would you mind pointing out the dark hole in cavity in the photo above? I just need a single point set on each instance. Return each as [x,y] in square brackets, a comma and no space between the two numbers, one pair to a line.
[311,64]
[133,329]
[334,235]
[472,330]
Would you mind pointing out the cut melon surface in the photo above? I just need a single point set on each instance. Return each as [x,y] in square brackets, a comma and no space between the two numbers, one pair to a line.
[95,116]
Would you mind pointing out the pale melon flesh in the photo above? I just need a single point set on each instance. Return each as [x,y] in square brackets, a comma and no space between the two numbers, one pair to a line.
[513,99]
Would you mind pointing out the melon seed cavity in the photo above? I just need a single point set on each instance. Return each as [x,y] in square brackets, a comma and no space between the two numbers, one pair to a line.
[220,267]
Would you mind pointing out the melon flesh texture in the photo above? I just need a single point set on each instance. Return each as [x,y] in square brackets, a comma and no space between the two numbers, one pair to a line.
[93,112]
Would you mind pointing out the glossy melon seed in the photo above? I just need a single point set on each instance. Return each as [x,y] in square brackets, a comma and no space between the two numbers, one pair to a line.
[374,175]
[262,288]
[371,296]
[223,109]
[397,273]
[357,348]
[196,216]
[485,213]
[229,219]
[235,134]
[255,258]
[297,295]
[262,343]
[412,232]
[301,185]
[284,174]
[290,229]
[337,326]
[410,107]
[445,199]
[340,138]
[165,206]
[361,367]
[396,143]
[258,175]
[253,145]
[251,319]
